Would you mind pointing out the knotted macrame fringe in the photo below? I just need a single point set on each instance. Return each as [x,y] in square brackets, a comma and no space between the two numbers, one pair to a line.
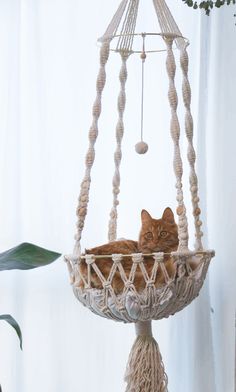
[145,370]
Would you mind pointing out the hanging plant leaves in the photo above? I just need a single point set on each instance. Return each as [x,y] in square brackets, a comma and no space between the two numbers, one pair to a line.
[10,320]
[208,5]
[26,256]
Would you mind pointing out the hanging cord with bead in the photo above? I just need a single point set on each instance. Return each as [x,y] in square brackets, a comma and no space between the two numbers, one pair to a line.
[142,147]
[143,57]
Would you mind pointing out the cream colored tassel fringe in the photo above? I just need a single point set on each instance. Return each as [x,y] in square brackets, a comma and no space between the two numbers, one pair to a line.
[145,370]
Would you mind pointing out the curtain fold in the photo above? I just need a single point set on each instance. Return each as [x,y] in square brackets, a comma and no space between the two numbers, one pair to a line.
[221,191]
[48,68]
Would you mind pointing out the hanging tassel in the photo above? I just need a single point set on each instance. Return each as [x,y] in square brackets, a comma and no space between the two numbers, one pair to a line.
[145,370]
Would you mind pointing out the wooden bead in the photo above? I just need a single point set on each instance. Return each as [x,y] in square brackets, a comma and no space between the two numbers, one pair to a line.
[197,211]
[180,210]
[143,55]
[141,147]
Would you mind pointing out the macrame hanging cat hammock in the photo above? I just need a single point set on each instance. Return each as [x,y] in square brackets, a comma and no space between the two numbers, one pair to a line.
[145,370]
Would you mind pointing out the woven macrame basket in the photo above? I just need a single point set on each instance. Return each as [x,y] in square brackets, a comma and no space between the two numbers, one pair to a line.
[153,303]
[145,370]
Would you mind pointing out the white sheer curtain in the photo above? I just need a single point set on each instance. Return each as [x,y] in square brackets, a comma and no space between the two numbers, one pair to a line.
[48,70]
[221,192]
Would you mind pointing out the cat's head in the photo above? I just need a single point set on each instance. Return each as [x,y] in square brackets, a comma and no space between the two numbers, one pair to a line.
[158,235]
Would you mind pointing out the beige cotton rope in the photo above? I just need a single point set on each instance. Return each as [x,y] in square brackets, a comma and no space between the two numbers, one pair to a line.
[112,229]
[126,36]
[186,91]
[145,370]
[115,22]
[175,133]
[167,22]
[93,133]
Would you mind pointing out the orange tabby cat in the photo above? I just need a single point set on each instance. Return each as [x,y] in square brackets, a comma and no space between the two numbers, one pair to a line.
[156,235]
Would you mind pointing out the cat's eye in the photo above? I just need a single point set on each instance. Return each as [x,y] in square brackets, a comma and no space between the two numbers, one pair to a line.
[149,236]
[163,234]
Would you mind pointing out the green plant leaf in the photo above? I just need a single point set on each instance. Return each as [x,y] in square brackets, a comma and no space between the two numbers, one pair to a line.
[10,320]
[208,5]
[26,256]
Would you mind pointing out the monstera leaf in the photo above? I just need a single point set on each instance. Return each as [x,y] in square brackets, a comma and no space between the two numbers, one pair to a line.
[26,256]
[10,320]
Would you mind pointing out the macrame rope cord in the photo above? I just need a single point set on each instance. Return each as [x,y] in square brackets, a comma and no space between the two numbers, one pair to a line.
[113,26]
[93,133]
[167,22]
[186,91]
[126,38]
[112,231]
[175,133]
[145,370]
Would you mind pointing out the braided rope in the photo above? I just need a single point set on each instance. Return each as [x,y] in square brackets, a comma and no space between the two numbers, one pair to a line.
[112,231]
[126,38]
[115,22]
[90,156]
[186,90]
[175,133]
[126,23]
[167,22]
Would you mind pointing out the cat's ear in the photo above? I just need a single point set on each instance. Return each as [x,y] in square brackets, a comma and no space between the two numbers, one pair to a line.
[145,216]
[168,215]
